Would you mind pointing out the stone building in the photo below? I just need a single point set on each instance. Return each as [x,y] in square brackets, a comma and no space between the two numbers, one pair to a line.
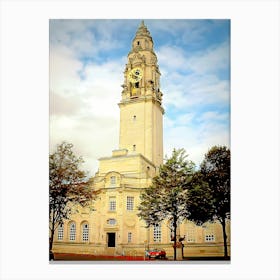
[114,227]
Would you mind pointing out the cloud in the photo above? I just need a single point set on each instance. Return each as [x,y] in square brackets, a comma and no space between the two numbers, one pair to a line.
[91,38]
[92,137]
[83,104]
[195,91]
[213,116]
[207,61]
[195,140]
[65,105]
[191,80]
[211,60]
[171,58]
[79,35]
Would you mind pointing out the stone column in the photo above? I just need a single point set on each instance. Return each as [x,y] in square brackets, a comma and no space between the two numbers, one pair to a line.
[179,255]
[179,251]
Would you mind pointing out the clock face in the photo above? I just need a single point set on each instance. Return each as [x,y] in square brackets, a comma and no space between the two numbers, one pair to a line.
[135,75]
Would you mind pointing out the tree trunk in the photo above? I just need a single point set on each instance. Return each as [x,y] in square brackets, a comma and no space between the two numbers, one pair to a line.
[52,235]
[51,240]
[175,237]
[51,255]
[223,222]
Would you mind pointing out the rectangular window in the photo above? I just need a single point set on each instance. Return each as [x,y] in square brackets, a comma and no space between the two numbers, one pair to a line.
[209,237]
[209,233]
[60,232]
[129,203]
[129,237]
[157,233]
[190,235]
[112,203]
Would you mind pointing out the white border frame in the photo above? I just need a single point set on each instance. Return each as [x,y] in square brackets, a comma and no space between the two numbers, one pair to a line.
[254,137]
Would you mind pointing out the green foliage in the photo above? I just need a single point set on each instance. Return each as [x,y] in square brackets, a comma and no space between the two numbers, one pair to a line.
[199,200]
[166,198]
[215,170]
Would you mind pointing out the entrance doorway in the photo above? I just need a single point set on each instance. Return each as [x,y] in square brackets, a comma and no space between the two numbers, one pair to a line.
[111,239]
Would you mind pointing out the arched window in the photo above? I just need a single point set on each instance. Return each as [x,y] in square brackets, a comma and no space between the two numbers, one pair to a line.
[85,232]
[129,237]
[72,233]
[113,180]
[60,232]
[157,233]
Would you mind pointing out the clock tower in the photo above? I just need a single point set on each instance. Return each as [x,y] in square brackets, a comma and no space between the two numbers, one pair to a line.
[141,104]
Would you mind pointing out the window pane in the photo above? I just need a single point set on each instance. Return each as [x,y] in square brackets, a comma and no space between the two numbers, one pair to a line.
[85,232]
[157,233]
[209,237]
[113,180]
[190,235]
[129,237]
[72,236]
[129,203]
[112,204]
[210,232]
[111,222]
[60,232]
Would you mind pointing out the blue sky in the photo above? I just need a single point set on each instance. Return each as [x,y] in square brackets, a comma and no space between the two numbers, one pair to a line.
[87,60]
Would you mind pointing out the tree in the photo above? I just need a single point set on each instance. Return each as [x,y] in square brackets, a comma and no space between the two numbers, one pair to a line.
[166,198]
[209,193]
[68,186]
[199,200]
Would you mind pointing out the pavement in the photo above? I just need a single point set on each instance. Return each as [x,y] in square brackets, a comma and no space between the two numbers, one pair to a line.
[89,257]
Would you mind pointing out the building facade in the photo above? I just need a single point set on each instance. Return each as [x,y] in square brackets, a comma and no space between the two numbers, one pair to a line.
[114,228]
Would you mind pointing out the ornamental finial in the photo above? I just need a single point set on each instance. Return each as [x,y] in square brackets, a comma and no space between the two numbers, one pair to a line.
[142,29]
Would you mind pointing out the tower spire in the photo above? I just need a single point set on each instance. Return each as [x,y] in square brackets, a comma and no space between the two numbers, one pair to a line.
[143,30]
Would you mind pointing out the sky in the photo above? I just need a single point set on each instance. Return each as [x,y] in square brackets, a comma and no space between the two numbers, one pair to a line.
[87,59]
